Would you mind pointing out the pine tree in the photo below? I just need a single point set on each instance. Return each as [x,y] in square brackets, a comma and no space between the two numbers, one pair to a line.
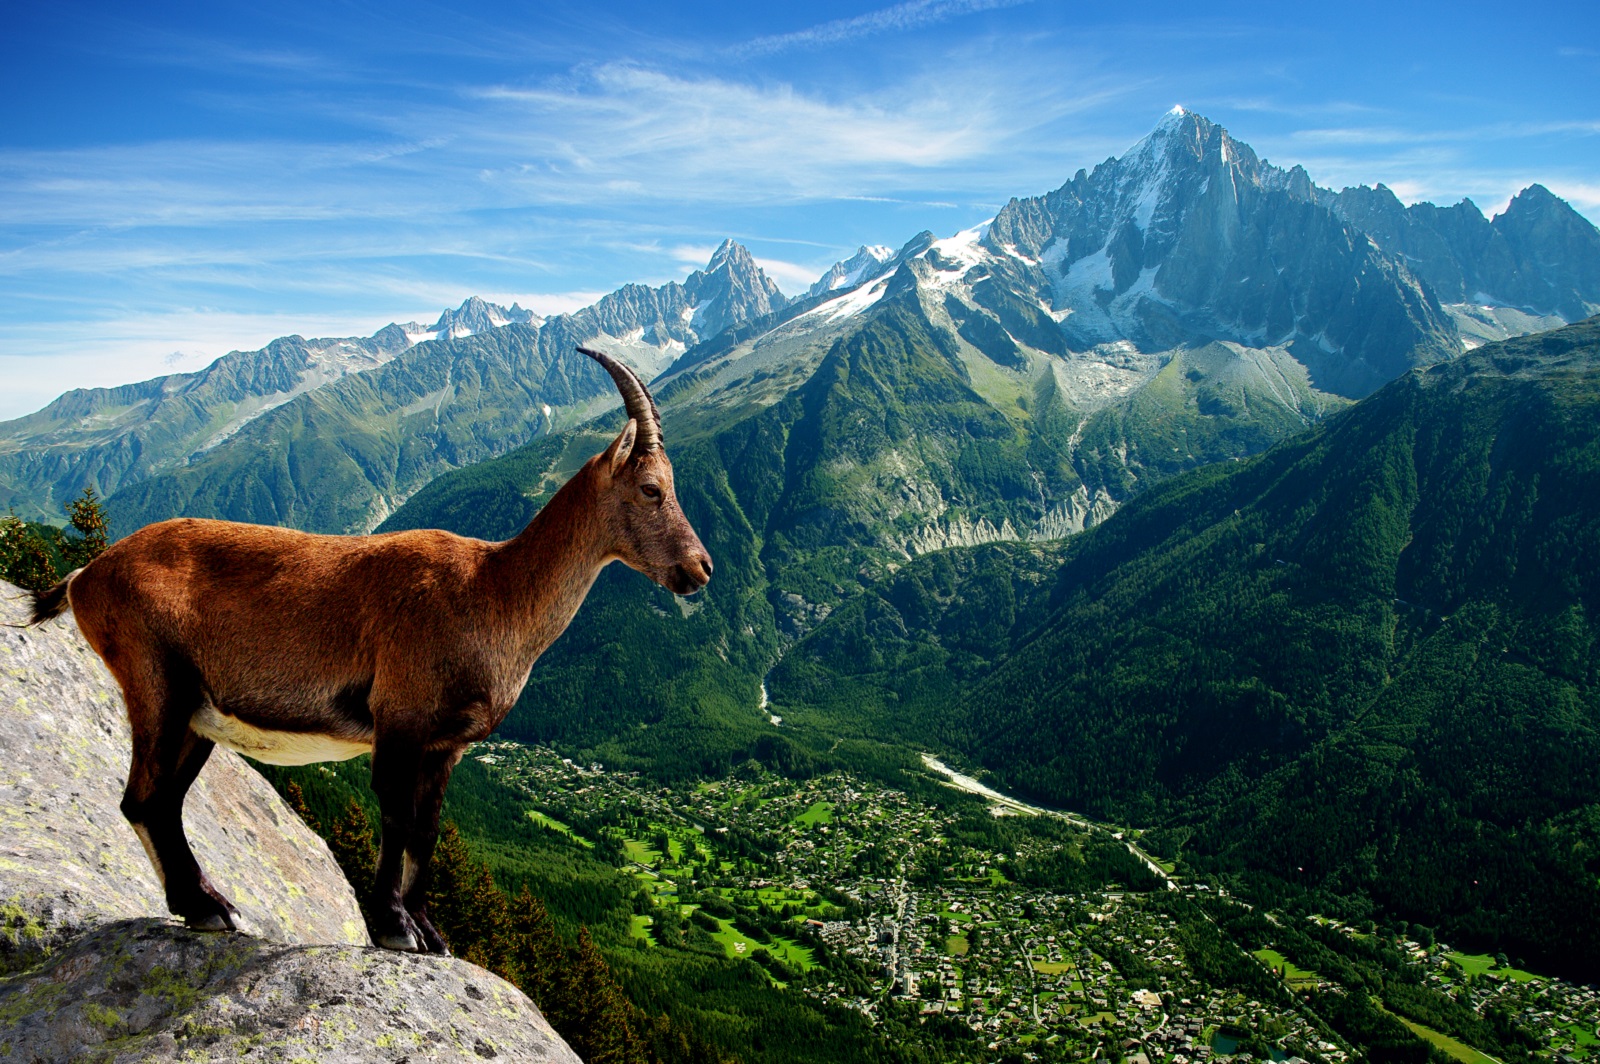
[353,847]
[536,947]
[296,800]
[467,908]
[600,1018]
[24,558]
[94,531]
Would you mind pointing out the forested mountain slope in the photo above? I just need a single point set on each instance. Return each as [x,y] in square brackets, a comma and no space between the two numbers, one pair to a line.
[814,461]
[1365,661]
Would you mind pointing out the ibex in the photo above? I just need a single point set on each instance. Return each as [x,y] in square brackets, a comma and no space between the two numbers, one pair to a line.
[293,648]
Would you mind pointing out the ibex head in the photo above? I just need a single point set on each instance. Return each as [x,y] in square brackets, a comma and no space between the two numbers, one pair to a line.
[639,506]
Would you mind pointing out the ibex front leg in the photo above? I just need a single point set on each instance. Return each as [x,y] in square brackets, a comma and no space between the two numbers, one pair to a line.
[431,780]
[396,768]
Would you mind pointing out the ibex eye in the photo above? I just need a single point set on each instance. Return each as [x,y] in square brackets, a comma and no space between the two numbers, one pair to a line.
[650,491]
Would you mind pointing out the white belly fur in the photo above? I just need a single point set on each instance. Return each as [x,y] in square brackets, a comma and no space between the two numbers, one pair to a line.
[273,747]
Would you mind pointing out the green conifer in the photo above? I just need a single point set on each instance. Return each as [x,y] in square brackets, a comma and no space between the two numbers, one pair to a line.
[88,517]
[353,847]
[24,558]
[296,800]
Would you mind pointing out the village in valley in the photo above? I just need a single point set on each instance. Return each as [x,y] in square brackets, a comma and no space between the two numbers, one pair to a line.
[1045,936]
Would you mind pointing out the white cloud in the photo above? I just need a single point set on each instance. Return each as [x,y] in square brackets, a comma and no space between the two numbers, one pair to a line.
[792,278]
[664,136]
[694,256]
[911,15]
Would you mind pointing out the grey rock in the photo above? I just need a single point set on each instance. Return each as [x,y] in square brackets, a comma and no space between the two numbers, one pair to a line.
[476,315]
[1539,255]
[145,990]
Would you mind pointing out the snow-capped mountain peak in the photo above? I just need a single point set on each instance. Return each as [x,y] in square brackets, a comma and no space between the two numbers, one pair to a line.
[477,315]
[728,249]
[868,261]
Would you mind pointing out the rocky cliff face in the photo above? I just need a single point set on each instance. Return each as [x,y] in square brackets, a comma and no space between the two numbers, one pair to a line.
[92,967]
[1540,255]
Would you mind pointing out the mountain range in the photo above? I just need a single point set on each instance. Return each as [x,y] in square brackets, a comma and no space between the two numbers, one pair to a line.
[1187,285]
[331,434]
[1321,533]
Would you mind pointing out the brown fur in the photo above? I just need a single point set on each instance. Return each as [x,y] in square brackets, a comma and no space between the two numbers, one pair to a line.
[411,644]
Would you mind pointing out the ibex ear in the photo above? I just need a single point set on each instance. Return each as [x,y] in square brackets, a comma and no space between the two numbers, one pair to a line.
[621,447]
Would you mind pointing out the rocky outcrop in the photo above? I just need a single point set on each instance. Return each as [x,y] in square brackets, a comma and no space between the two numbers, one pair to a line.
[93,968]
[959,531]
[144,990]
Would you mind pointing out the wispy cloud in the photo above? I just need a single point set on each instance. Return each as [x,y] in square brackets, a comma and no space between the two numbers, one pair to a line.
[1376,135]
[636,131]
[792,278]
[911,15]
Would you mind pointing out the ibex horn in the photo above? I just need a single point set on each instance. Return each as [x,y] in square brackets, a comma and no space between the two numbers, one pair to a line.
[636,399]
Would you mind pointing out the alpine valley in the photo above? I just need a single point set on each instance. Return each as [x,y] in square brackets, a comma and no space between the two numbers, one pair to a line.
[1244,533]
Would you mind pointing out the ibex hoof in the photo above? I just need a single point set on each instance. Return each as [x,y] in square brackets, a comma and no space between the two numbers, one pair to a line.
[404,943]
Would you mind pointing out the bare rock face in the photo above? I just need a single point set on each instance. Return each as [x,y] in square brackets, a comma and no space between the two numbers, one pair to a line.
[92,968]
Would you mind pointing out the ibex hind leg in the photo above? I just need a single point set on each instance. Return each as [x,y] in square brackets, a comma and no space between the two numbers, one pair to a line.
[167,757]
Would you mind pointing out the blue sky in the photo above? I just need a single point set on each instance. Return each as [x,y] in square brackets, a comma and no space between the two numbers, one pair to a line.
[177,180]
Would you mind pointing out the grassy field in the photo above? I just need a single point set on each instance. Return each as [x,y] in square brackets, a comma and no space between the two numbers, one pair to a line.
[640,928]
[1459,1050]
[1292,975]
[817,813]
[1483,964]
[638,851]
[555,825]
[1051,967]
[1586,1040]
[737,944]
[956,945]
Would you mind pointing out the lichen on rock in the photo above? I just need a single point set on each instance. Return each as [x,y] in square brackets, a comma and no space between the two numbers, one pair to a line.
[138,990]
